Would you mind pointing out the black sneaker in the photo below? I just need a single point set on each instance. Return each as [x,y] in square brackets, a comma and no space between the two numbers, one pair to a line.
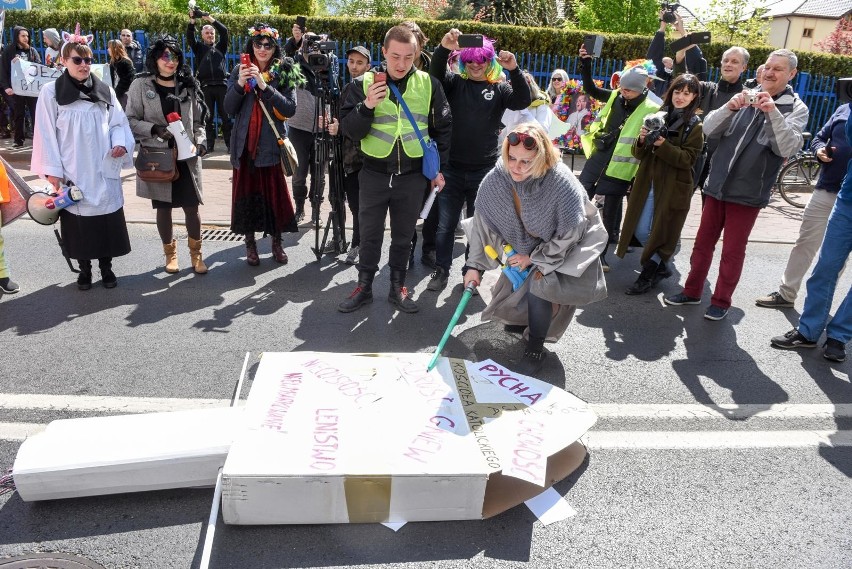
[8,286]
[714,312]
[680,299]
[18,144]
[773,300]
[439,280]
[835,350]
[792,339]
[84,280]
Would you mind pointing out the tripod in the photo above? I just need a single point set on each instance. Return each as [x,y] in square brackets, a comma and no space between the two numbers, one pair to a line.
[328,150]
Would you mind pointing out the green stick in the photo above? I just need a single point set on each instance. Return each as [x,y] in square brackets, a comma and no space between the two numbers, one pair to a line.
[468,292]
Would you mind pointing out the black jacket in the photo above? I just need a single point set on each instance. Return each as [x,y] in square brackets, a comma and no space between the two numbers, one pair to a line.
[11,50]
[356,120]
[478,108]
[211,67]
[122,73]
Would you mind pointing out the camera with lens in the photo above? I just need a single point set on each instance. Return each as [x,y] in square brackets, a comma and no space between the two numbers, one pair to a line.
[751,96]
[196,12]
[655,124]
[319,52]
[669,10]
[605,140]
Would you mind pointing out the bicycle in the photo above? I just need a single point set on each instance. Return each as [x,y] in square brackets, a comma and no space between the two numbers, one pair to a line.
[798,177]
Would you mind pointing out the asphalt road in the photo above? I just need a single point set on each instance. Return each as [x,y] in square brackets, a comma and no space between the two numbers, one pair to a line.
[712,450]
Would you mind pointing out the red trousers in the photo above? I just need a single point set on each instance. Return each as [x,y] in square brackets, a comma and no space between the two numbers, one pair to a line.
[737,221]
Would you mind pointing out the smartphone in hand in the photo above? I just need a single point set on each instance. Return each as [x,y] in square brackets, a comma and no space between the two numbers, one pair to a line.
[381,77]
[470,40]
[245,59]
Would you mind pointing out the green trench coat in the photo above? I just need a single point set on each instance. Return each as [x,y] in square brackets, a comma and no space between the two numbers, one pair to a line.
[669,166]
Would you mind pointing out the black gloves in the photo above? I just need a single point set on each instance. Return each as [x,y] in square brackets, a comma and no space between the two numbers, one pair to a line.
[159,131]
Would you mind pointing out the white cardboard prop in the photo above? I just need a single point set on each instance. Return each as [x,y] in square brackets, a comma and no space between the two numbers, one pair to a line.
[333,438]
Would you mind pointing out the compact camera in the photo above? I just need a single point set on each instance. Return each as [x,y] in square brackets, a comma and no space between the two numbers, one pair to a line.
[750,97]
[655,124]
[669,12]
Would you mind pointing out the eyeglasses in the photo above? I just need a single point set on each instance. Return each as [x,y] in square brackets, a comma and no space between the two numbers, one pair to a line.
[516,138]
[555,79]
[480,61]
[168,57]
[263,45]
[78,60]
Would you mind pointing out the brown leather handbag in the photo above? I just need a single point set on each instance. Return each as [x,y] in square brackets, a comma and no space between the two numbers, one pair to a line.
[157,164]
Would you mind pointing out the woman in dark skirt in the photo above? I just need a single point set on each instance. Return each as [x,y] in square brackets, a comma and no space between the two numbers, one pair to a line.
[76,141]
[261,199]
[169,87]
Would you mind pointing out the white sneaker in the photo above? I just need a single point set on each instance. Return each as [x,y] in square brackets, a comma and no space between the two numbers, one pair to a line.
[352,255]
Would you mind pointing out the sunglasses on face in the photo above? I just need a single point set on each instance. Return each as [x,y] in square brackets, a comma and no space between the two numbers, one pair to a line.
[263,45]
[79,60]
[555,79]
[169,57]
[480,61]
[516,138]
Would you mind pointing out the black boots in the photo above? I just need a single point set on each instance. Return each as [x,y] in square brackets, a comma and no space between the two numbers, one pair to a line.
[646,279]
[300,211]
[84,279]
[107,276]
[663,272]
[533,358]
[399,293]
[363,293]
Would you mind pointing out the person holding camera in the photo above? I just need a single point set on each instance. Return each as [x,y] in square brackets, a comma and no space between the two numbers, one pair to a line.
[392,177]
[261,93]
[478,98]
[608,142]
[169,87]
[757,132]
[211,70]
[662,190]
[832,148]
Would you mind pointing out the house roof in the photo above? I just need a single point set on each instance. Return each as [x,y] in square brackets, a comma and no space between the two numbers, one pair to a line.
[815,8]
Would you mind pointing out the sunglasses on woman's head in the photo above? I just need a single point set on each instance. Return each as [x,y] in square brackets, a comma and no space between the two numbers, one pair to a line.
[169,56]
[78,60]
[516,138]
[263,45]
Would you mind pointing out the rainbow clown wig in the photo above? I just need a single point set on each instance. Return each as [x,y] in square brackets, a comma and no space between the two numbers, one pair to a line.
[484,54]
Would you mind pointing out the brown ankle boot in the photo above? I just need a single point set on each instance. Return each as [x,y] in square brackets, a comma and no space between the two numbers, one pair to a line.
[170,250]
[252,257]
[278,251]
[195,256]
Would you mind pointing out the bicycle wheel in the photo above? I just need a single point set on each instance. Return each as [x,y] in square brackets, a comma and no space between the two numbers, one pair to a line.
[797,180]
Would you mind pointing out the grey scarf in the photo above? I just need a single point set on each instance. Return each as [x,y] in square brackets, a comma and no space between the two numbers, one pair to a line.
[551,206]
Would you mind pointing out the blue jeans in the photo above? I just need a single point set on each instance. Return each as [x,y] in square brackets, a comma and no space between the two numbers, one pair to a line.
[836,246]
[460,186]
[646,220]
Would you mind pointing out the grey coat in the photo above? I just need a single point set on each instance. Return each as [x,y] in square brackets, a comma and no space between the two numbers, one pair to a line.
[239,104]
[144,110]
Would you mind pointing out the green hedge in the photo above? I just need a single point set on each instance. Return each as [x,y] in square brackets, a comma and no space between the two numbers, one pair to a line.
[514,38]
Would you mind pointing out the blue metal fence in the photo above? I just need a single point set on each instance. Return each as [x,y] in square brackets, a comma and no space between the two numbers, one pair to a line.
[817,91]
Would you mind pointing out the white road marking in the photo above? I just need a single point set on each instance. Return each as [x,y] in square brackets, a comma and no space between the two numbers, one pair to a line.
[724,410]
[105,404]
[19,431]
[697,440]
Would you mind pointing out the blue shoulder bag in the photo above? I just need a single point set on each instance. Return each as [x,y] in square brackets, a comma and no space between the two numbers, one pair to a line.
[431,159]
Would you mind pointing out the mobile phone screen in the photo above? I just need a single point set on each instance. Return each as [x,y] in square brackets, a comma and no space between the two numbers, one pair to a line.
[470,40]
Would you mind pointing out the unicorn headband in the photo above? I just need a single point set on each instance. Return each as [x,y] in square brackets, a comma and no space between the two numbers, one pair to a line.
[76,37]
